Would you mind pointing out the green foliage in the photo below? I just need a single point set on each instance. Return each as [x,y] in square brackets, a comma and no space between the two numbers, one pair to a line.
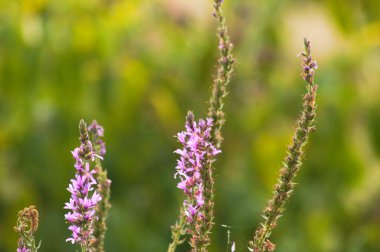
[138,66]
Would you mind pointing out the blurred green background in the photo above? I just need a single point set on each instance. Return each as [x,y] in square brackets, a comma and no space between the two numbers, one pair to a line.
[138,66]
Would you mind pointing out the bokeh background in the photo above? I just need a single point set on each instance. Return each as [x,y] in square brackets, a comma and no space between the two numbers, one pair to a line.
[138,66]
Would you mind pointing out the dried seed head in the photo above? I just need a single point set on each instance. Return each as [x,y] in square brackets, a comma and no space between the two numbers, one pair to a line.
[27,220]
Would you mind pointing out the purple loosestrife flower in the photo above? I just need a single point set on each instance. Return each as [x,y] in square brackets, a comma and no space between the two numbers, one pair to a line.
[23,249]
[196,150]
[225,67]
[83,201]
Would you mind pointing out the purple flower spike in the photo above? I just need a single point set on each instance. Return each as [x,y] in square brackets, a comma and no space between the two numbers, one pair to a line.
[196,150]
[82,202]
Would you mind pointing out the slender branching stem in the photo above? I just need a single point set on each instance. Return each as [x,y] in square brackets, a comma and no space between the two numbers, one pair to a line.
[224,71]
[293,160]
[219,92]
[178,230]
[100,225]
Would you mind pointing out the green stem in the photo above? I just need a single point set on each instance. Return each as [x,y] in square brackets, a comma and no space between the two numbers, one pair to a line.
[292,163]
[225,68]
[177,232]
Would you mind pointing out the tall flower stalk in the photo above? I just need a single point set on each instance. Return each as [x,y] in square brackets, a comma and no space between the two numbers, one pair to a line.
[83,199]
[195,155]
[27,225]
[293,160]
[103,187]
[215,112]
[225,68]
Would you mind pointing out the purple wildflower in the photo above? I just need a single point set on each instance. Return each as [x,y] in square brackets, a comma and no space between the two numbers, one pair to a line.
[308,64]
[98,133]
[82,202]
[197,148]
[23,249]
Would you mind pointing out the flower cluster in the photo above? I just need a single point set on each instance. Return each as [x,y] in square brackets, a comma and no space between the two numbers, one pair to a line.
[98,133]
[308,64]
[197,148]
[82,204]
